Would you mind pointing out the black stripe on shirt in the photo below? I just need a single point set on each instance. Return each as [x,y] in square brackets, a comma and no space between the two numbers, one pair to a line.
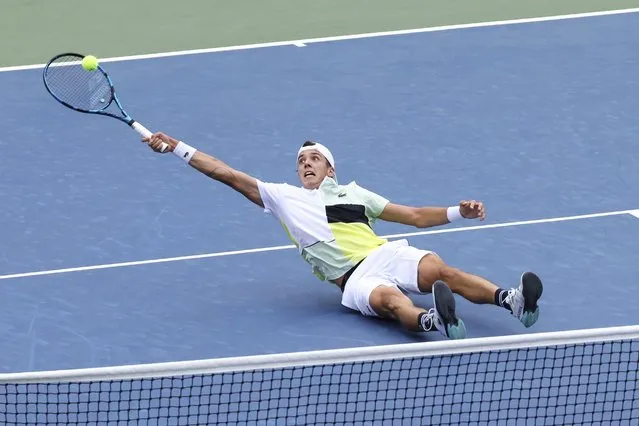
[346,213]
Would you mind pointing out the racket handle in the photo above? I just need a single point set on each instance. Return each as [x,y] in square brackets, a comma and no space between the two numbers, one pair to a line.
[146,133]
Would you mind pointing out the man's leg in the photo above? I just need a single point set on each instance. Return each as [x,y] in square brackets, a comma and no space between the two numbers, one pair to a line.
[522,301]
[390,303]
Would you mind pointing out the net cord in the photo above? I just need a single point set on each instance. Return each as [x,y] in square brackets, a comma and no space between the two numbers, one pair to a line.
[324,357]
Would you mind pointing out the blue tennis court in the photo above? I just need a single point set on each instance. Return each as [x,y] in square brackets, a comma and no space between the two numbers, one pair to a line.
[537,120]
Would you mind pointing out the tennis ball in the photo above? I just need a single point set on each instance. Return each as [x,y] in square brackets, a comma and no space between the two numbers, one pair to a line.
[90,63]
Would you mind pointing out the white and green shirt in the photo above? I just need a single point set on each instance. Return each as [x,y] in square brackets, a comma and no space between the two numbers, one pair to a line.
[331,226]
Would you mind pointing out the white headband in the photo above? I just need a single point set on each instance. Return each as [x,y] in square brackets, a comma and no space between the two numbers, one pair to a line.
[322,150]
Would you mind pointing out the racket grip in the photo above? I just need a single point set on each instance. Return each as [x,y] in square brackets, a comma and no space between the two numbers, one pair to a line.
[146,133]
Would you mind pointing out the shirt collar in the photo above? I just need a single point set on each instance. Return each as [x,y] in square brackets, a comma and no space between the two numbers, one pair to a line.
[328,184]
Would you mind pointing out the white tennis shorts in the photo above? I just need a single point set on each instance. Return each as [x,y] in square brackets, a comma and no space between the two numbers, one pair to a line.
[393,264]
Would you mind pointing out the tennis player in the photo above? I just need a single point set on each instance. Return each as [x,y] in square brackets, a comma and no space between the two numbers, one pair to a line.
[331,225]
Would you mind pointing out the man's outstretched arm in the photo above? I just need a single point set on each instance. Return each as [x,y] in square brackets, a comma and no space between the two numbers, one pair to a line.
[208,165]
[426,217]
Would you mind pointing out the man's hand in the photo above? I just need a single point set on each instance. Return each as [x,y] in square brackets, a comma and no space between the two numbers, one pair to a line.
[157,140]
[472,209]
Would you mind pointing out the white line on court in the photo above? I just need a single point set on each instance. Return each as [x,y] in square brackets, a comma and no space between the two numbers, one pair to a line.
[635,213]
[348,37]
[276,248]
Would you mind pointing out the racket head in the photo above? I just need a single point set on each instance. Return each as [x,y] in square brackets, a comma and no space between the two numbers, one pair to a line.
[81,90]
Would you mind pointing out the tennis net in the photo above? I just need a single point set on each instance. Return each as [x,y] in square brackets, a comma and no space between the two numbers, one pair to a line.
[573,377]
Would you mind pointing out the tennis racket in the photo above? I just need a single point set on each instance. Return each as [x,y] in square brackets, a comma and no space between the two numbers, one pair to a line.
[91,92]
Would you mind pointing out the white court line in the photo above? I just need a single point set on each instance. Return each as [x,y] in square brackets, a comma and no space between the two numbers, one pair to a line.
[635,213]
[276,248]
[348,37]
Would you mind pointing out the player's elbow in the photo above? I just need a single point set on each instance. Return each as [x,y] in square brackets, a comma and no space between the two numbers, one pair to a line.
[421,224]
[419,219]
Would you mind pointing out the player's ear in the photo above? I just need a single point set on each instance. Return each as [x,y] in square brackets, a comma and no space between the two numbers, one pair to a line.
[331,172]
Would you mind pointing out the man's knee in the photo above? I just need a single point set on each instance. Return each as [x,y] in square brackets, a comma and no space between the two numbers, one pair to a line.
[431,269]
[385,301]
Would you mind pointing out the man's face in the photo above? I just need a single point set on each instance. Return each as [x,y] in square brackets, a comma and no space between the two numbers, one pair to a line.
[312,168]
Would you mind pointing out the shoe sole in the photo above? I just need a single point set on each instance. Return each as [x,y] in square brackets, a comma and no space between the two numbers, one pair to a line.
[445,307]
[532,289]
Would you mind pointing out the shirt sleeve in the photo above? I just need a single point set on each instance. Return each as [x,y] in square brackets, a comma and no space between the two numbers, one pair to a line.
[271,194]
[373,202]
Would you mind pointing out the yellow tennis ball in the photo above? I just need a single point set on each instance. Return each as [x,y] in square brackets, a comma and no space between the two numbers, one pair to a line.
[90,63]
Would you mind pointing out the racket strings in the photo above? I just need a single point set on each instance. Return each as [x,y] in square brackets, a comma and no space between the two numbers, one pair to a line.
[72,84]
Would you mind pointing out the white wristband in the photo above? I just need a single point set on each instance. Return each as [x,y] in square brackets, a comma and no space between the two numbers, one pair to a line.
[184,151]
[453,213]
